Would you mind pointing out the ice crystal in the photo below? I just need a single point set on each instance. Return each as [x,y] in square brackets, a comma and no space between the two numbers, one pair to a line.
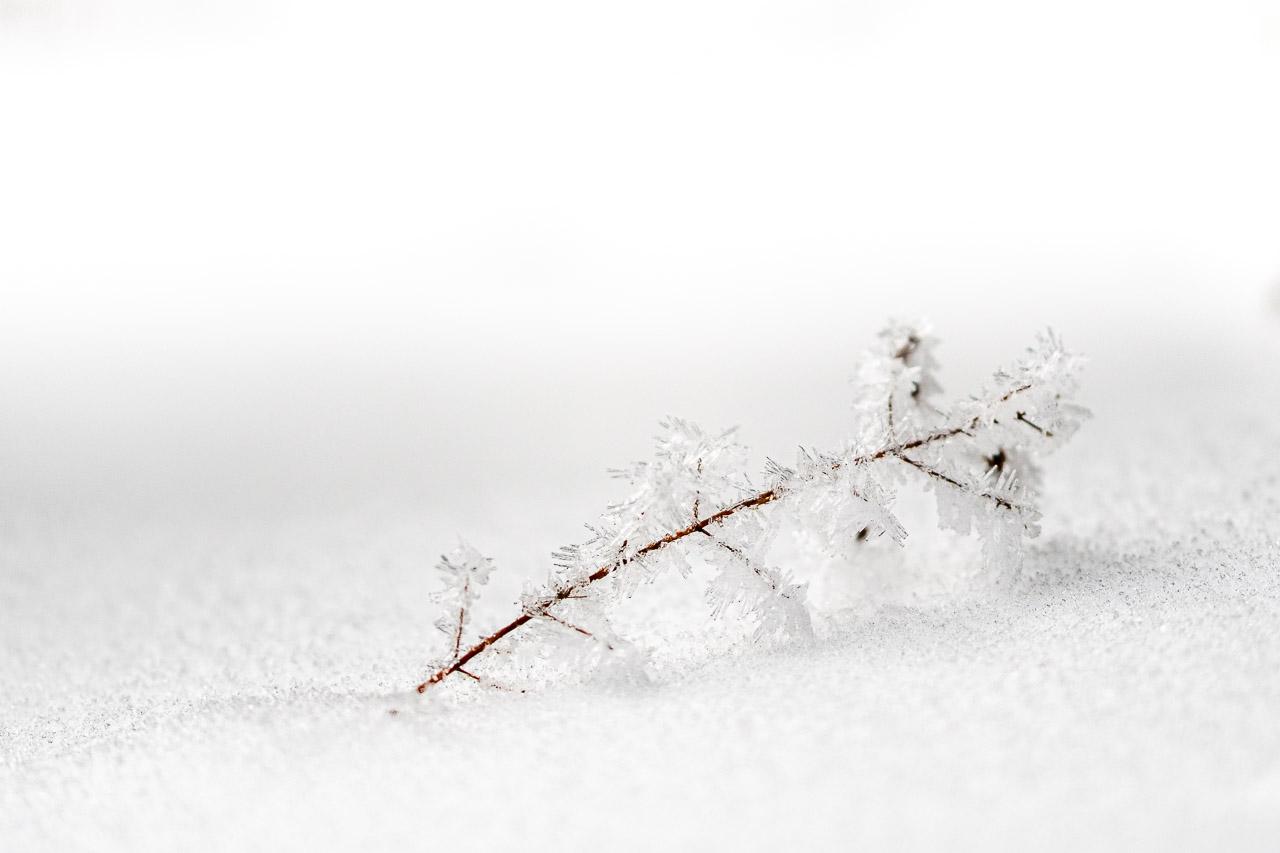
[463,571]
[690,505]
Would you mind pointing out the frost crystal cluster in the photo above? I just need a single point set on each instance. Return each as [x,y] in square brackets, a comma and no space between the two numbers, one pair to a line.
[691,505]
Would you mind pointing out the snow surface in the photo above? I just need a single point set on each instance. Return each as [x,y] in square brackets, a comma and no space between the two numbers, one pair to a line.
[189,683]
[294,293]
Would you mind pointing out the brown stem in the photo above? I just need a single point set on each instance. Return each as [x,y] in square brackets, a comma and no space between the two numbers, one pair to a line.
[767,496]
[742,555]
[933,472]
[462,617]
[547,614]
[1015,391]
[1022,416]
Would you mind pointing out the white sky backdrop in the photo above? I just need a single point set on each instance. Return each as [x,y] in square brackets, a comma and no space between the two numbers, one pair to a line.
[458,256]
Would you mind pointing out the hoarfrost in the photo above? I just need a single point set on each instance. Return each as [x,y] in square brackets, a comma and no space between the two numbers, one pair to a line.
[691,508]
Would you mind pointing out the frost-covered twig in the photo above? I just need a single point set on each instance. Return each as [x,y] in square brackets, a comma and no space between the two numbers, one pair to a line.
[464,571]
[979,457]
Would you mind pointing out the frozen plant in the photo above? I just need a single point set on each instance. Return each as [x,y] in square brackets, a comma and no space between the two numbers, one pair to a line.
[692,505]
[464,571]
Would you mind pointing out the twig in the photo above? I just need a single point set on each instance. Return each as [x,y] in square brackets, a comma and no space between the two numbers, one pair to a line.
[547,614]
[1022,416]
[933,472]
[741,555]
[700,525]
[462,618]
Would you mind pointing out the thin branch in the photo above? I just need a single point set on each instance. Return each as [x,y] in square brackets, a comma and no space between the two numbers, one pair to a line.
[1022,416]
[1014,392]
[697,495]
[547,614]
[741,555]
[462,618]
[486,682]
[756,501]
[935,473]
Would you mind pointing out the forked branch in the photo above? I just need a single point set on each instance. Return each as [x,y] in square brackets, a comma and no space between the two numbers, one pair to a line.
[700,525]
[842,498]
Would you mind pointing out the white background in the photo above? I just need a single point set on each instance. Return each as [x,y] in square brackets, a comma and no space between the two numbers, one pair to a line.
[292,293]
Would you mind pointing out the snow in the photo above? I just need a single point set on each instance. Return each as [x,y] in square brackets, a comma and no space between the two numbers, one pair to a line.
[294,295]
[195,682]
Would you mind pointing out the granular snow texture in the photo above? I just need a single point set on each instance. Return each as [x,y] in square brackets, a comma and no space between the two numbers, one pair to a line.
[184,685]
